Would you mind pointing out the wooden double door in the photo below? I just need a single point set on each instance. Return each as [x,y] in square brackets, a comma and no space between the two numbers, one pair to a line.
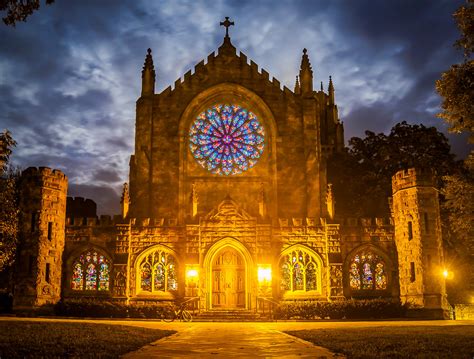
[228,280]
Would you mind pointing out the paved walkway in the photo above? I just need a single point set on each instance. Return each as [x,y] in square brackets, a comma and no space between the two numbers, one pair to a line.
[230,340]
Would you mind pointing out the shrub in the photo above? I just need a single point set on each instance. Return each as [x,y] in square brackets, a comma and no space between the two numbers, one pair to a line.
[349,309]
[106,309]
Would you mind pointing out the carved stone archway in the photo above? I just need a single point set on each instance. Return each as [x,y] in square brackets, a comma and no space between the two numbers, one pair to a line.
[248,267]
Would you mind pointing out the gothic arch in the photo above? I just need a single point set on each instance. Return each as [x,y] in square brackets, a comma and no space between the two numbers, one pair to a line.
[314,258]
[265,169]
[367,248]
[221,244]
[74,257]
[177,271]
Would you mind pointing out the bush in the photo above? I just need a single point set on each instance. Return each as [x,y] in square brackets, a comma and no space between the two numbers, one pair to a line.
[349,309]
[106,309]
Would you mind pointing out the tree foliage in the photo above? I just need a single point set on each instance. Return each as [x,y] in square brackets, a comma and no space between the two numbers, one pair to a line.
[8,202]
[456,85]
[362,176]
[19,10]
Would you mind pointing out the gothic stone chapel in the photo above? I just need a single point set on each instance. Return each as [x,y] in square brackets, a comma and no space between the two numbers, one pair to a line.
[228,202]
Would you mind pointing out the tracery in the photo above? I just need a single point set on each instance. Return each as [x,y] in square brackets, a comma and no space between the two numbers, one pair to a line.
[158,272]
[91,272]
[226,139]
[367,271]
[299,271]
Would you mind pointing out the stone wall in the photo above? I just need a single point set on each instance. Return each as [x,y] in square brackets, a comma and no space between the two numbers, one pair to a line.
[41,237]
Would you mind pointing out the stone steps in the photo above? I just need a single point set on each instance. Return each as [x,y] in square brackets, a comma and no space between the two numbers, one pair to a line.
[228,315]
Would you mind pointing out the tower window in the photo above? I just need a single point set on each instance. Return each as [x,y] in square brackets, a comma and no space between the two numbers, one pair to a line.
[47,273]
[50,230]
[412,272]
[410,231]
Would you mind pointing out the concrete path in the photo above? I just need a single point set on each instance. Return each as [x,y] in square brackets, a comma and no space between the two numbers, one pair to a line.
[230,340]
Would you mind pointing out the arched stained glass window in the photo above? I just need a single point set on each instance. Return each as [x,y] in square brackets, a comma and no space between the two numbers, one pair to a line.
[90,272]
[299,271]
[158,272]
[367,272]
[226,139]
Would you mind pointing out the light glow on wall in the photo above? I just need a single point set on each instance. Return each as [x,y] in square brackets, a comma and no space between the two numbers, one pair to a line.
[264,274]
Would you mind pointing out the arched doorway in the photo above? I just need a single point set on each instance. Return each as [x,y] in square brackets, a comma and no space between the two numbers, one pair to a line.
[228,279]
[229,275]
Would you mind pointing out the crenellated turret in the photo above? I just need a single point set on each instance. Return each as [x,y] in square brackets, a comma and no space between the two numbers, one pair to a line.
[148,76]
[306,75]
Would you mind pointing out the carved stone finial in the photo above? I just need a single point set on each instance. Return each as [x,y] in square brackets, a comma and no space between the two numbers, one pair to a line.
[125,200]
[262,203]
[330,201]
[194,200]
[297,86]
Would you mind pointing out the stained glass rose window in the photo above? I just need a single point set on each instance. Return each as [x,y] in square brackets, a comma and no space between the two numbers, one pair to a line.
[226,139]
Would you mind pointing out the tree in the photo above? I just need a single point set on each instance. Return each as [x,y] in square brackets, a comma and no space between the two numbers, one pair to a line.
[456,86]
[362,176]
[6,145]
[8,203]
[19,10]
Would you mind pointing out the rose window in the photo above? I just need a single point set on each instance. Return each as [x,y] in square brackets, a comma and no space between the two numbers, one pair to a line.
[226,139]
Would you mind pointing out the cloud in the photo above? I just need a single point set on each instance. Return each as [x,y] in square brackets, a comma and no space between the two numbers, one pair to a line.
[70,75]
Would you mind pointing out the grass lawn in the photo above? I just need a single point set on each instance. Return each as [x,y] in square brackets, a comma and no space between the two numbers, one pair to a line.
[395,342]
[40,339]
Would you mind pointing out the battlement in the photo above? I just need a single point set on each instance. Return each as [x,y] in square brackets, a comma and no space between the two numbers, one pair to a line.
[412,177]
[43,172]
[350,222]
[202,68]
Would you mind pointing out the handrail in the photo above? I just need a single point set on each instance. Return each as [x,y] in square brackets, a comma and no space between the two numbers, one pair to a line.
[272,303]
[189,301]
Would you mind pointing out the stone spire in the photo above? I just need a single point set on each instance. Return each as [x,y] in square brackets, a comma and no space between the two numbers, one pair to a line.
[306,75]
[148,75]
[331,92]
[297,86]
[322,87]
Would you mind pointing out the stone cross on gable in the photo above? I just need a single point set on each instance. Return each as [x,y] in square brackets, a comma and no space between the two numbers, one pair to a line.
[227,24]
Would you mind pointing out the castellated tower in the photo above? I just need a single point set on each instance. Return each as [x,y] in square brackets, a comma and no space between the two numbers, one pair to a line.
[41,238]
[418,240]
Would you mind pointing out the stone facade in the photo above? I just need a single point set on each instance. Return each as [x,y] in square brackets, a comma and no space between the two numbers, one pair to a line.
[270,230]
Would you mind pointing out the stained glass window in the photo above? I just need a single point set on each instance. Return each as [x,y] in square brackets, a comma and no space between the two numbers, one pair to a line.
[226,139]
[158,272]
[367,272]
[91,271]
[299,271]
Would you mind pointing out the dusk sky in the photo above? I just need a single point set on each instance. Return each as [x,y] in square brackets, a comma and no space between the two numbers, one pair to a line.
[70,75]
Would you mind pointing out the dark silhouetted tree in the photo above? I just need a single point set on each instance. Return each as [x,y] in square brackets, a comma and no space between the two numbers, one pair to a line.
[456,86]
[362,175]
[8,202]
[19,10]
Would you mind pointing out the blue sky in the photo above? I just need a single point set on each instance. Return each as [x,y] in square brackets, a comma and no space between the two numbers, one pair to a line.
[70,75]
